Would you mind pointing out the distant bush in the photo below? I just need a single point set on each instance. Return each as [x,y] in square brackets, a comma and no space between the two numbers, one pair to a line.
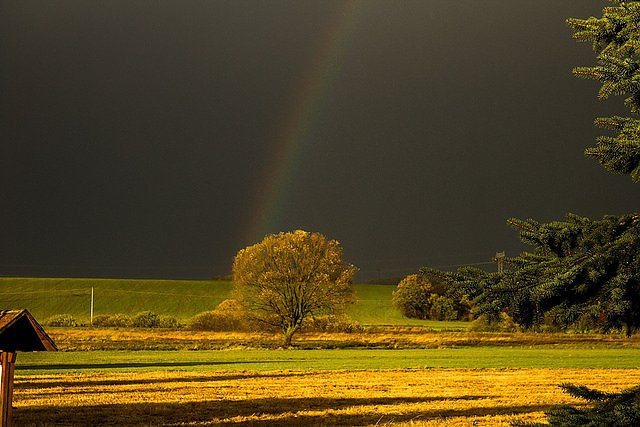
[231,308]
[482,324]
[331,323]
[588,322]
[169,322]
[113,320]
[146,319]
[61,320]
[227,316]
[100,320]
[507,324]
[555,320]
[205,321]
[504,323]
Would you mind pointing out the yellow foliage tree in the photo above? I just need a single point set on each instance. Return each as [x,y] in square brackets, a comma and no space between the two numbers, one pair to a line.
[290,276]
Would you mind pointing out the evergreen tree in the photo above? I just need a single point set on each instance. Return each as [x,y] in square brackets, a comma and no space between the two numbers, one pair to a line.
[616,36]
[580,269]
[609,409]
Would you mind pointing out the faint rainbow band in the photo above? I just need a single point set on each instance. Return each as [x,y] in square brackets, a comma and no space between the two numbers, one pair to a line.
[306,100]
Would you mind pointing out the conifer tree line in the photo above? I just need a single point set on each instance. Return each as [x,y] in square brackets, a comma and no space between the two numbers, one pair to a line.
[579,270]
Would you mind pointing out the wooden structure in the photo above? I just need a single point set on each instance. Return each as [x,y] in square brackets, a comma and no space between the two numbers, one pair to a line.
[19,331]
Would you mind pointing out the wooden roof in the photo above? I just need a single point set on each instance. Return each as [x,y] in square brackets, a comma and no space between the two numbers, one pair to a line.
[19,331]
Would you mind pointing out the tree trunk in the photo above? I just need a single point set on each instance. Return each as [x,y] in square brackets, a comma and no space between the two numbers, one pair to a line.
[629,329]
[288,335]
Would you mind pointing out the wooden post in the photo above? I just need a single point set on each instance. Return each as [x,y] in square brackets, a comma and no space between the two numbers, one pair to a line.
[91,314]
[7,361]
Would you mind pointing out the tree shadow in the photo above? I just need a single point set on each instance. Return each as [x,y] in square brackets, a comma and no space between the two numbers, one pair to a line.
[27,383]
[126,365]
[332,419]
[287,412]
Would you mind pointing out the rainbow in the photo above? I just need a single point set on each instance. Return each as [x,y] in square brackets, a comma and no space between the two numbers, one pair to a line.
[306,101]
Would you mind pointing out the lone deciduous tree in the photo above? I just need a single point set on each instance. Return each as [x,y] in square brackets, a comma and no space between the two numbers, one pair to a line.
[290,276]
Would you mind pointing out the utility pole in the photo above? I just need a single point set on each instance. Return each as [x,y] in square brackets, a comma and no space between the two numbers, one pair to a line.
[500,261]
[91,315]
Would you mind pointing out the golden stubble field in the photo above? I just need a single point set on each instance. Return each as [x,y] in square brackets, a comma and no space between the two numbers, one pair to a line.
[423,397]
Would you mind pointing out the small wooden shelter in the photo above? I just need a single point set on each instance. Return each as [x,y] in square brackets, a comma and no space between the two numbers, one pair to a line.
[19,331]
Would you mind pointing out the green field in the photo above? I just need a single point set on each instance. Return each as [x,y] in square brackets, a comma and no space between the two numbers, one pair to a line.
[349,359]
[373,307]
[181,299]
[48,297]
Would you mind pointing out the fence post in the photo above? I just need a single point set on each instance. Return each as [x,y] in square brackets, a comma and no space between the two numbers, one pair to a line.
[7,361]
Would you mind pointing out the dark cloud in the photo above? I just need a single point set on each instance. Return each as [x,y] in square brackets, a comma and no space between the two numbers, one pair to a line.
[136,134]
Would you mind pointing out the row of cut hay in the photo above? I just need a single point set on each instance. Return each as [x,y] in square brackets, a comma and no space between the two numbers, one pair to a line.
[397,338]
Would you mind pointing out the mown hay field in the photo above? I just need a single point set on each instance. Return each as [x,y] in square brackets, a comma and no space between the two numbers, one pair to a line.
[429,379]
[415,397]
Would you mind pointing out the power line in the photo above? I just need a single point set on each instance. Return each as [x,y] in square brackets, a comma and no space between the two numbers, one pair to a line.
[44,292]
[155,293]
[88,290]
[465,264]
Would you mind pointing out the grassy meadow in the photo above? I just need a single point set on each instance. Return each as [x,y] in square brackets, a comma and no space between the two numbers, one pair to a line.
[181,299]
[44,298]
[392,372]
[323,359]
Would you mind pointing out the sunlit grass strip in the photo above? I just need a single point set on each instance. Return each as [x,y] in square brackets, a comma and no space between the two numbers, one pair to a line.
[273,360]
[424,397]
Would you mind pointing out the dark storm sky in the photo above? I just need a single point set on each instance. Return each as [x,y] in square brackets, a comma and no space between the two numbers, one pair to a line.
[136,136]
